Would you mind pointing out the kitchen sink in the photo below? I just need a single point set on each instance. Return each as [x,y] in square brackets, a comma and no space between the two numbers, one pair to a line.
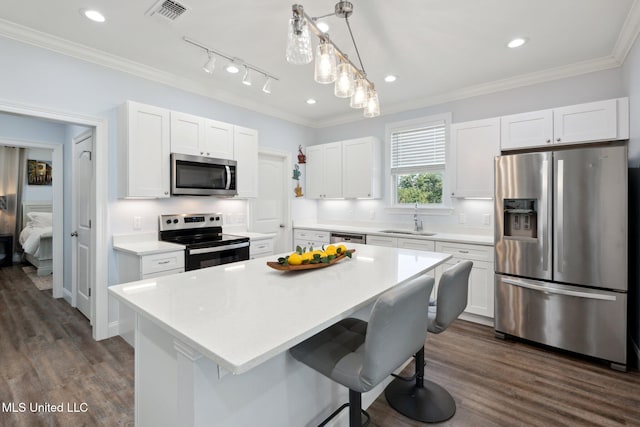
[415,233]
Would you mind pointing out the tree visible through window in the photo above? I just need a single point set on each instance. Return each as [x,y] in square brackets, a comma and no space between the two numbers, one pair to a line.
[417,163]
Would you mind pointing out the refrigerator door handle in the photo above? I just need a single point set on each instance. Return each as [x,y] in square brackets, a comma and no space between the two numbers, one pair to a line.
[544,215]
[541,287]
[560,217]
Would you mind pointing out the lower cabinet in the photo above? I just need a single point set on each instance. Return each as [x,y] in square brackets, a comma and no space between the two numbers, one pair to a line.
[260,248]
[481,284]
[137,267]
[310,238]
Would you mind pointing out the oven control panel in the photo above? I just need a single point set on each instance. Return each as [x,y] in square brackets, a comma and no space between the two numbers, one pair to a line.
[188,221]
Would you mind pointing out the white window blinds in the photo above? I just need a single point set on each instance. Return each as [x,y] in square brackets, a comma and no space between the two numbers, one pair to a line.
[414,150]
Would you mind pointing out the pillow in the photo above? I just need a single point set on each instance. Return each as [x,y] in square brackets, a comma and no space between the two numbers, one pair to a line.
[39,219]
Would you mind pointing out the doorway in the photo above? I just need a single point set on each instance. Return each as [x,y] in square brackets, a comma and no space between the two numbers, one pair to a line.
[98,270]
[270,212]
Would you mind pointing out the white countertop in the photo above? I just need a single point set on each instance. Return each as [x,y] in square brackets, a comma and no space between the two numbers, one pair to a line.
[244,313]
[478,239]
[143,244]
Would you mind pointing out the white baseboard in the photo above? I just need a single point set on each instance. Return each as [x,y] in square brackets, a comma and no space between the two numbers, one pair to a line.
[114,330]
[66,294]
[487,321]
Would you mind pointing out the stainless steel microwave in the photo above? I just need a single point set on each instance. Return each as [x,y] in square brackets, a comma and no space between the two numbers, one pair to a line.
[202,176]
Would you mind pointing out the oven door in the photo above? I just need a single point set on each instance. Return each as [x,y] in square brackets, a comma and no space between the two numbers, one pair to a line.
[194,175]
[217,255]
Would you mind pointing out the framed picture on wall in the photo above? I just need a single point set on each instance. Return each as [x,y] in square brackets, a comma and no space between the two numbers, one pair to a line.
[39,172]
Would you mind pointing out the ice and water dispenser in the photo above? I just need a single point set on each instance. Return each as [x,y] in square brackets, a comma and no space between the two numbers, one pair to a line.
[521,218]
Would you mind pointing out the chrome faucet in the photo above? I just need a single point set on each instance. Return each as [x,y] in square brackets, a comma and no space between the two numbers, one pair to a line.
[417,224]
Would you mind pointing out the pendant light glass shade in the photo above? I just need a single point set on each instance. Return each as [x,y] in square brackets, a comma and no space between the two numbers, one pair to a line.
[326,69]
[299,49]
[344,82]
[372,107]
[359,97]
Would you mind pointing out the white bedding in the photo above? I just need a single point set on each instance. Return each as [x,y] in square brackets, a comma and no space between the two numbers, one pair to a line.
[30,238]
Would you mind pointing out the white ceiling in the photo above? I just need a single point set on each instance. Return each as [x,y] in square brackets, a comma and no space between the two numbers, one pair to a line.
[439,49]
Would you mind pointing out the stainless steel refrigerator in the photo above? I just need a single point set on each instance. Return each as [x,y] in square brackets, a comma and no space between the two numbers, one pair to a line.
[561,249]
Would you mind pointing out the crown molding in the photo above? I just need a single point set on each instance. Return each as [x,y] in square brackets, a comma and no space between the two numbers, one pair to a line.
[76,50]
[628,33]
[523,80]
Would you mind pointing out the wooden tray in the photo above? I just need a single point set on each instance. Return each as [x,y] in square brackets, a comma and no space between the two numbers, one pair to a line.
[277,266]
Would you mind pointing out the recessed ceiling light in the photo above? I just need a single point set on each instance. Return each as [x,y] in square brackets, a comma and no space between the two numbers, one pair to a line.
[390,78]
[517,42]
[94,15]
[323,26]
[311,101]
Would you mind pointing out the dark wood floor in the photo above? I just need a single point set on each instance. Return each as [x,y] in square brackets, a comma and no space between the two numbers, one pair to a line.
[47,355]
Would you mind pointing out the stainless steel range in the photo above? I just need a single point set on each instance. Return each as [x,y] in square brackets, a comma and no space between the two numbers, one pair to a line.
[206,245]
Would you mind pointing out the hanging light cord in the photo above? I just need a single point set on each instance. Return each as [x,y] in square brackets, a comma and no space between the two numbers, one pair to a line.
[346,19]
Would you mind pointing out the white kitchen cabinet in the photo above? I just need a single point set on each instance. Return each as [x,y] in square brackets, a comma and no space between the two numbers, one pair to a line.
[361,168]
[133,267]
[307,239]
[324,171]
[481,284]
[582,123]
[259,248]
[345,169]
[245,143]
[199,136]
[143,151]
[473,148]
[382,241]
[417,244]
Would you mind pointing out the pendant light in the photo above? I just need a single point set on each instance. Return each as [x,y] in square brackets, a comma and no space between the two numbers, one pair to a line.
[325,70]
[359,97]
[299,50]
[344,81]
[372,106]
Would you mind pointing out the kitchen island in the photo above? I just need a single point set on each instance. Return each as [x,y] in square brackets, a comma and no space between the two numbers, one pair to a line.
[211,344]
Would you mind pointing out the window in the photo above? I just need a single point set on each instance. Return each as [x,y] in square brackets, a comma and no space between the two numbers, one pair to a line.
[417,161]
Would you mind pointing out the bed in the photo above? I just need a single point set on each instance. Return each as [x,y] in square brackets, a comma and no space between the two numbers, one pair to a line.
[36,236]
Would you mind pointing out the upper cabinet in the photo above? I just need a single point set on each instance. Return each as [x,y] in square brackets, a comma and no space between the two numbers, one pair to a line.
[148,135]
[245,147]
[324,171]
[344,170]
[361,169]
[143,151]
[473,147]
[199,136]
[583,123]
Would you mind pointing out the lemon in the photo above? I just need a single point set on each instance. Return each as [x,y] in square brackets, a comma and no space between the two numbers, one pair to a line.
[307,256]
[295,259]
[331,250]
[342,249]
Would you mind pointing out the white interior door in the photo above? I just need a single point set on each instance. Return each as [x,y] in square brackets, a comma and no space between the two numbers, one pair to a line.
[82,191]
[269,212]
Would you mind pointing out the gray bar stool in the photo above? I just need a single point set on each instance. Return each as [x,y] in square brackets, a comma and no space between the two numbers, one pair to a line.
[425,400]
[360,355]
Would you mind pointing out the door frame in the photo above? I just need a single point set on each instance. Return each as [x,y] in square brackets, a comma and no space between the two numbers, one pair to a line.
[286,156]
[57,204]
[99,282]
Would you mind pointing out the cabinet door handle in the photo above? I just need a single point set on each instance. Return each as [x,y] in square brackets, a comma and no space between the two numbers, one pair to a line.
[558,139]
[164,262]
[463,252]
[548,141]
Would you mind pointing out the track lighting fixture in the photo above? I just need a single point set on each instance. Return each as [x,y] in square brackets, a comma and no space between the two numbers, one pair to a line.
[233,66]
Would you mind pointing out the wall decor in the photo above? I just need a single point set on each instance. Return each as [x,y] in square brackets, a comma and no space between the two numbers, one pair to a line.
[296,177]
[301,157]
[39,172]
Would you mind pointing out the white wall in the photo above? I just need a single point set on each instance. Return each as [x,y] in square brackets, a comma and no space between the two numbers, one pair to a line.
[84,88]
[588,87]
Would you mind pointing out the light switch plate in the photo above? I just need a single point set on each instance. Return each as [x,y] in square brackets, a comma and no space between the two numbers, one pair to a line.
[486,219]
[462,218]
[137,223]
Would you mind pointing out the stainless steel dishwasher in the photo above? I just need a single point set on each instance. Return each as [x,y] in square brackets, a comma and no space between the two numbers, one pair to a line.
[348,237]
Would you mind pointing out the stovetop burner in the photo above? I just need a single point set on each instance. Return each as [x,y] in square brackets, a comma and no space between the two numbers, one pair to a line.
[196,230]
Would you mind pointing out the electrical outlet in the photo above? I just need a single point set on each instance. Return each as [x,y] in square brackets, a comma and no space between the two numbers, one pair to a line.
[137,223]
[486,219]
[462,218]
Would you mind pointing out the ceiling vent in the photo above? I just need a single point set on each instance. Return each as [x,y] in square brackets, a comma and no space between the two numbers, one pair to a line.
[167,9]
